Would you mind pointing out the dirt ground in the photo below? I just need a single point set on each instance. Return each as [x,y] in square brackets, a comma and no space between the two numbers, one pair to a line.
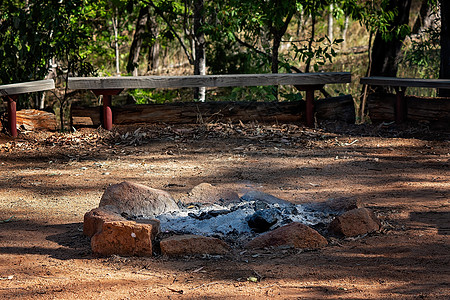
[49,180]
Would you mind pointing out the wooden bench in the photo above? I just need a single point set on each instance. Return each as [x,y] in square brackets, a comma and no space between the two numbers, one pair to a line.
[108,86]
[400,85]
[12,91]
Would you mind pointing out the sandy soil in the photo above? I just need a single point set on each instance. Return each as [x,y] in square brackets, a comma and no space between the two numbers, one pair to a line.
[49,180]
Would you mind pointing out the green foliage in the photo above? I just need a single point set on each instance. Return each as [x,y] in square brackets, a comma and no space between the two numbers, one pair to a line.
[149,96]
[422,55]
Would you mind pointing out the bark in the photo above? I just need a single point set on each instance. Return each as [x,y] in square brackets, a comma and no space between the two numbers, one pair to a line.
[386,54]
[200,56]
[115,21]
[153,53]
[435,112]
[330,23]
[337,108]
[138,38]
[424,19]
[344,32]
[445,45]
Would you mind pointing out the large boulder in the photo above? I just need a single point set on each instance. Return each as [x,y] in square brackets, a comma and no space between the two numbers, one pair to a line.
[294,234]
[180,245]
[135,199]
[206,193]
[124,238]
[94,219]
[355,222]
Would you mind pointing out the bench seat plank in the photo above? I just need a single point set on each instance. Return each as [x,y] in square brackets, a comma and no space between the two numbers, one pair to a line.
[134,82]
[406,82]
[27,87]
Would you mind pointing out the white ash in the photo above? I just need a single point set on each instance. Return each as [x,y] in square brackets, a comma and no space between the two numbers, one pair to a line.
[232,219]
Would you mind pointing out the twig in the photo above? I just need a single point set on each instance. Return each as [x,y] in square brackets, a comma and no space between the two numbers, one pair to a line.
[7,220]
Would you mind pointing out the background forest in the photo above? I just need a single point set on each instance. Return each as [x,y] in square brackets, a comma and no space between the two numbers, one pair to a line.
[56,39]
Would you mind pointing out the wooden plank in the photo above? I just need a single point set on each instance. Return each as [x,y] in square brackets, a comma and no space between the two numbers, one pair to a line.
[27,87]
[406,82]
[144,82]
[337,108]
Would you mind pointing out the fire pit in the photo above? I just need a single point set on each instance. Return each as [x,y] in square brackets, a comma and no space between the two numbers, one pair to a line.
[132,218]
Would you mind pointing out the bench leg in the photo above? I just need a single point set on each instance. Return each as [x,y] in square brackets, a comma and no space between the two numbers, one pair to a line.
[400,105]
[107,110]
[12,120]
[310,108]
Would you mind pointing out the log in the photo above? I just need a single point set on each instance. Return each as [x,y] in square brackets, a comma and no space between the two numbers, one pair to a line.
[434,112]
[32,119]
[337,108]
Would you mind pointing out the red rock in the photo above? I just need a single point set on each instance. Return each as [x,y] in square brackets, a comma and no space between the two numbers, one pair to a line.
[138,200]
[93,220]
[124,238]
[180,245]
[294,234]
[355,222]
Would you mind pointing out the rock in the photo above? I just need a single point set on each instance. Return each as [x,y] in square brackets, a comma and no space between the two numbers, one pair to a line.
[294,234]
[355,222]
[206,193]
[180,245]
[124,238]
[262,220]
[134,199]
[336,205]
[94,219]
[156,225]
[265,198]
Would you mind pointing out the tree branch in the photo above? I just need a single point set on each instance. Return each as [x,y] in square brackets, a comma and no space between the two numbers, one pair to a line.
[161,14]
[293,68]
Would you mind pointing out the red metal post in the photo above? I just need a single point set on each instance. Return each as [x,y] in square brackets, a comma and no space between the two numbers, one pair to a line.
[12,121]
[310,107]
[107,110]
[400,105]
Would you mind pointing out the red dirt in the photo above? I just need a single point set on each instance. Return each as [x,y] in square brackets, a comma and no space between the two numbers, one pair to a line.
[48,181]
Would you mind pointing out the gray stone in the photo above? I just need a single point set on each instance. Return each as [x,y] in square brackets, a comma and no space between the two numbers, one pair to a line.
[136,200]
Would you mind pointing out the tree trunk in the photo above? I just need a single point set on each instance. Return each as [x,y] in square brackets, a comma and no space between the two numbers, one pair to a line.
[116,42]
[135,49]
[445,45]
[153,53]
[385,54]
[330,23]
[344,32]
[424,19]
[200,56]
